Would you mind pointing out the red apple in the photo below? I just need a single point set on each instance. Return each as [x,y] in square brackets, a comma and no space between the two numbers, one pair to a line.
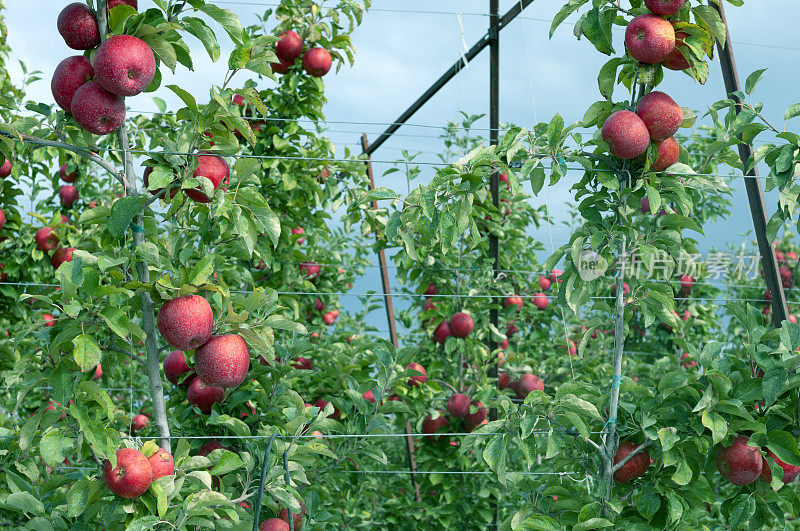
[458,405]
[273,524]
[223,361]
[503,380]
[49,319]
[78,26]
[132,476]
[739,463]
[369,397]
[98,372]
[686,285]
[544,283]
[185,322]
[790,472]
[644,205]
[540,300]
[676,60]
[209,447]
[660,114]
[175,366]
[146,180]
[139,422]
[511,329]
[526,384]
[290,47]
[115,3]
[67,177]
[62,254]
[649,39]
[636,465]
[626,135]
[215,169]
[330,317]
[282,66]
[299,230]
[318,304]
[204,396]
[668,153]
[320,403]
[309,270]
[68,195]
[317,62]
[2,219]
[125,65]
[304,364]
[70,74]
[431,289]
[473,420]
[297,518]
[417,379]
[162,463]
[97,110]
[5,169]
[431,425]
[514,300]
[461,325]
[665,8]
[441,333]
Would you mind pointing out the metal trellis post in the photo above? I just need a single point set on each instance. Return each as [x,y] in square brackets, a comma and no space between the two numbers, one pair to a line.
[755,194]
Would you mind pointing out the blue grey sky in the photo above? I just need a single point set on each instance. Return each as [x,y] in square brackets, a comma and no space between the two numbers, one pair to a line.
[399,54]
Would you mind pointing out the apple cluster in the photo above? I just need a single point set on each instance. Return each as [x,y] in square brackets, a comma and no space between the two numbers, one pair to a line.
[94,92]
[135,471]
[742,464]
[317,61]
[220,361]
[212,167]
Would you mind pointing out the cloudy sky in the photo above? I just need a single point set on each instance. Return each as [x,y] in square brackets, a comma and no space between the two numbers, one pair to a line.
[403,46]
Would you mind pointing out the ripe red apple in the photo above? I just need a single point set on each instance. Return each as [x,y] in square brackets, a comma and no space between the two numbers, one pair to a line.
[49,319]
[458,405]
[511,329]
[540,300]
[223,361]
[289,48]
[739,463]
[544,283]
[97,110]
[273,524]
[431,425]
[665,8]
[162,463]
[431,289]
[282,66]
[441,333]
[660,114]
[78,26]
[649,39]
[668,153]
[317,62]
[209,447]
[686,284]
[318,304]
[625,288]
[526,384]
[185,322]
[572,348]
[62,254]
[626,135]
[5,169]
[461,325]
[321,403]
[98,372]
[503,380]
[139,422]
[204,396]
[115,3]
[514,300]
[70,74]
[146,179]
[67,177]
[68,195]
[676,60]
[330,317]
[175,366]
[304,364]
[473,420]
[644,205]
[215,169]
[369,397]
[299,230]
[635,467]
[297,518]
[133,474]
[309,270]
[417,379]
[503,345]
[790,472]
[125,65]
[2,219]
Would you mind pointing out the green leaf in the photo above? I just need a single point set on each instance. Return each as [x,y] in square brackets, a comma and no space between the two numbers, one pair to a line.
[566,11]
[647,501]
[54,447]
[792,111]
[597,28]
[227,19]
[25,502]
[773,382]
[86,352]
[394,222]
[593,523]
[784,446]
[187,100]
[204,34]
[201,271]
[668,438]
[494,451]
[608,77]
[752,80]
[741,510]
[228,462]
[710,16]
[122,213]
[116,320]
[78,497]
[683,474]
[714,422]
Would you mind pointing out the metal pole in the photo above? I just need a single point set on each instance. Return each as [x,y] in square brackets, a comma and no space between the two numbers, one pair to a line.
[494,188]
[390,318]
[451,72]
[755,195]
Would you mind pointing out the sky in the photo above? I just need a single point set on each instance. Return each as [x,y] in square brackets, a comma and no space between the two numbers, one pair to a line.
[403,46]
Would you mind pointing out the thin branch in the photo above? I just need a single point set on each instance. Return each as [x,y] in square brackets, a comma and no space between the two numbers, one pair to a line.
[123,351]
[86,153]
[619,7]
[630,455]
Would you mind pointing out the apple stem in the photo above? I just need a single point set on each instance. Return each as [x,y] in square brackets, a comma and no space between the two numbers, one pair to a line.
[152,363]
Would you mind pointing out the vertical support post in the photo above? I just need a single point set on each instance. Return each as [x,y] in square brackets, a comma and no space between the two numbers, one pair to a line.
[387,290]
[755,195]
[494,188]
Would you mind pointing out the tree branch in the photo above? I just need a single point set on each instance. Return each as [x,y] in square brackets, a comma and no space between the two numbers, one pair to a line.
[123,351]
[628,457]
